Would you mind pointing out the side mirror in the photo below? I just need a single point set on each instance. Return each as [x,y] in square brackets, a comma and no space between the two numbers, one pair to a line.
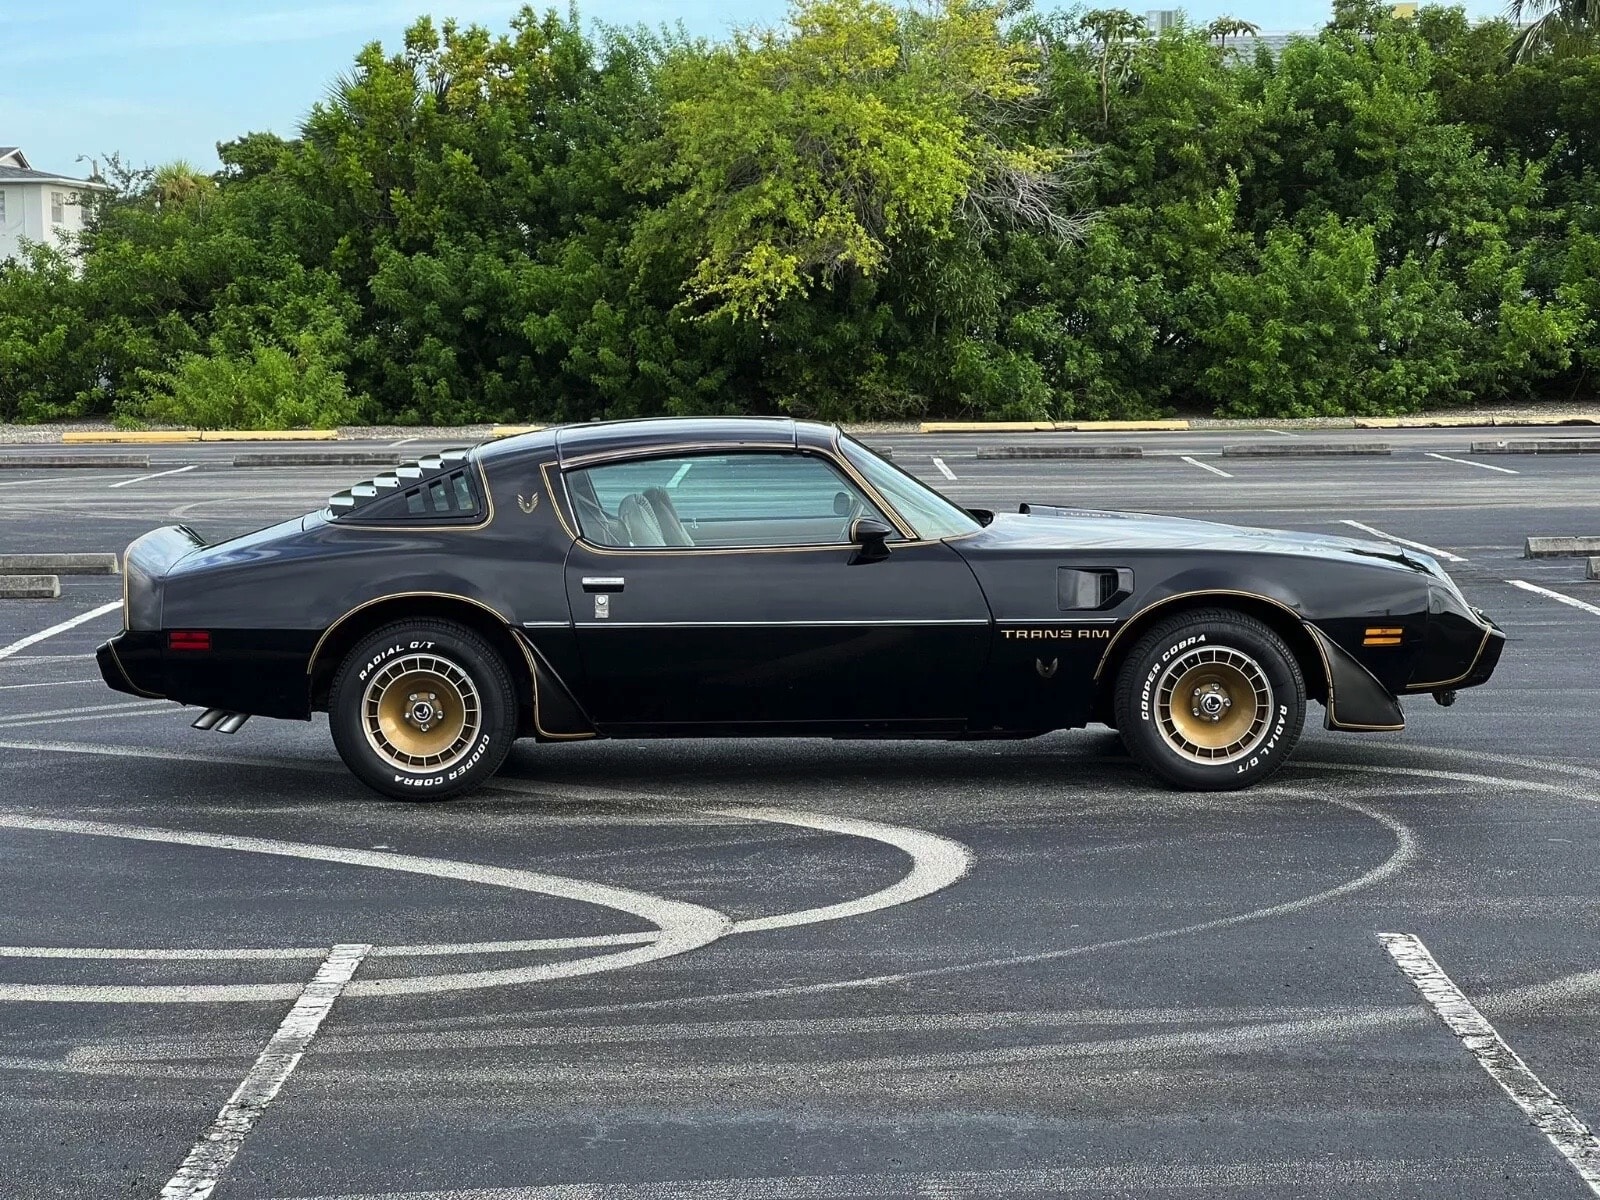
[872,536]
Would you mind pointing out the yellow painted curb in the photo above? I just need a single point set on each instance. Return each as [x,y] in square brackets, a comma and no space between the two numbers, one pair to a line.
[1125,426]
[143,437]
[157,437]
[989,426]
[513,430]
[270,435]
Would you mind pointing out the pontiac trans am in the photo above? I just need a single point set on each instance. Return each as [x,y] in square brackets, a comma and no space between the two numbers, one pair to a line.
[770,577]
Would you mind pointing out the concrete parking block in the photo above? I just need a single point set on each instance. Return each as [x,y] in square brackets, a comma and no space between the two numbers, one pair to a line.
[270,435]
[1561,547]
[59,564]
[994,452]
[1594,569]
[30,587]
[117,461]
[318,458]
[1306,449]
[1539,446]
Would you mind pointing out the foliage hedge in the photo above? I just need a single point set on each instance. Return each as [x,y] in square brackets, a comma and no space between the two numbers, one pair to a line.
[870,212]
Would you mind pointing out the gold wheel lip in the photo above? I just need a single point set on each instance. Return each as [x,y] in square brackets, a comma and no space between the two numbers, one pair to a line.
[1240,677]
[397,741]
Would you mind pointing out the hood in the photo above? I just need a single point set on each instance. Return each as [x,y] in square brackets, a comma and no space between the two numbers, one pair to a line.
[1047,527]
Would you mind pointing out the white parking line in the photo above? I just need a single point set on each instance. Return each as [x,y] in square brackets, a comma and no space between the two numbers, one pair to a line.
[197,1178]
[12,687]
[1528,587]
[403,442]
[1467,462]
[943,470]
[1542,1107]
[33,638]
[93,712]
[1283,433]
[157,475]
[1195,462]
[1389,537]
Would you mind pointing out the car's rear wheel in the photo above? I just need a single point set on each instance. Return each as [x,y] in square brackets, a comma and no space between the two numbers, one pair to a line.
[1210,701]
[422,710]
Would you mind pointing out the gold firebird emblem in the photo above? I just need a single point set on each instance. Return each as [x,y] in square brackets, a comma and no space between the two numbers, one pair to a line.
[528,505]
[1046,670]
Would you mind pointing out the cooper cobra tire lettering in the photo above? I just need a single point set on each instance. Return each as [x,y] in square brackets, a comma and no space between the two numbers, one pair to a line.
[1155,670]
[474,664]
[1146,715]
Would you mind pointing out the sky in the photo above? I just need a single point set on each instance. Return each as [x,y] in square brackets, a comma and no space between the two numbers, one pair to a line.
[157,80]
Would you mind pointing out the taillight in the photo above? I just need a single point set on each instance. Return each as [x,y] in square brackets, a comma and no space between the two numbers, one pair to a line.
[189,639]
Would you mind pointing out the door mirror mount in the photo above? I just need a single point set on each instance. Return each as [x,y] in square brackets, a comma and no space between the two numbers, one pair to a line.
[872,536]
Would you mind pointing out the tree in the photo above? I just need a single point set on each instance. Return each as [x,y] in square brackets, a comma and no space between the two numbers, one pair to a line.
[1562,27]
[793,156]
[178,183]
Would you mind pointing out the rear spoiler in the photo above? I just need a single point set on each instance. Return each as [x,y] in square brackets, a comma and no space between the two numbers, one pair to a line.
[145,562]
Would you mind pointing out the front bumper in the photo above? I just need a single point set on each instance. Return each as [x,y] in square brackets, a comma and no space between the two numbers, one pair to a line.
[1494,644]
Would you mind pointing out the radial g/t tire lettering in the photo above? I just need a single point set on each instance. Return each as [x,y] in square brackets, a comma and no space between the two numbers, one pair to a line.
[423,710]
[1210,701]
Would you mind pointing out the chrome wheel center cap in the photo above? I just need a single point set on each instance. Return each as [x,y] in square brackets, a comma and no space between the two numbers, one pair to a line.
[1212,703]
[423,711]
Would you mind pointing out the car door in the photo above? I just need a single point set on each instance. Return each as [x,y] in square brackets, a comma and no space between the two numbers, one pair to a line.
[721,589]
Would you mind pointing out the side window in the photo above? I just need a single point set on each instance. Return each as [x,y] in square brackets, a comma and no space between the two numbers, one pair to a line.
[717,500]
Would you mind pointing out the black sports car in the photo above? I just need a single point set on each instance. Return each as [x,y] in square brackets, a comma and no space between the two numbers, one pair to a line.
[769,577]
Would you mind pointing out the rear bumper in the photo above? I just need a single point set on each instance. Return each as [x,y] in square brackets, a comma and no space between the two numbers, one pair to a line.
[131,663]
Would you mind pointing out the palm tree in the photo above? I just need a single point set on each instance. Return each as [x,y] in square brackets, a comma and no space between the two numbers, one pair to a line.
[1556,26]
[1225,27]
[178,183]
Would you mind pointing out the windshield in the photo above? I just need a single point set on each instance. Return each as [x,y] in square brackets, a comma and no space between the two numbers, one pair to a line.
[929,513]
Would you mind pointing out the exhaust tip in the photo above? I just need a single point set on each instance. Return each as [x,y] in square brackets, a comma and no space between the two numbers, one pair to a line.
[209,718]
[232,722]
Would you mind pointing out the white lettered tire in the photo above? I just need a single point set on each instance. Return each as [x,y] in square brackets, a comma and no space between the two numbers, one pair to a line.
[1210,701]
[422,710]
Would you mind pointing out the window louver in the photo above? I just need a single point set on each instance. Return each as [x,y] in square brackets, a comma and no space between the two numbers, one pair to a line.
[438,487]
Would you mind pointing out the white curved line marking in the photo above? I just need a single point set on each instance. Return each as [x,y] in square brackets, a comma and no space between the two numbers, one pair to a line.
[245,954]
[1403,854]
[683,926]
[936,863]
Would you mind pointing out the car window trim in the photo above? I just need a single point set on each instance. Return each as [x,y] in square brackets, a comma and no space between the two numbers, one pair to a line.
[837,461]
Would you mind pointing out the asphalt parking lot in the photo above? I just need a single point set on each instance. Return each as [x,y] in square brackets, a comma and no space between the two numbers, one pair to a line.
[806,969]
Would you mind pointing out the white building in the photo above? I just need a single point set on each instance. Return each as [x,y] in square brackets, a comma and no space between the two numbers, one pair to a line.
[37,206]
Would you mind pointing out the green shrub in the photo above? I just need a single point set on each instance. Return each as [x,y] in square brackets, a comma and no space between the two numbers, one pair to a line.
[265,387]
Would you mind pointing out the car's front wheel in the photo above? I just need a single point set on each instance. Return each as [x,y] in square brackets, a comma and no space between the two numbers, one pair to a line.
[422,710]
[1210,701]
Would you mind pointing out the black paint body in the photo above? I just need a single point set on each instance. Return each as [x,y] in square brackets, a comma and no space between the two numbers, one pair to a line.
[979,635]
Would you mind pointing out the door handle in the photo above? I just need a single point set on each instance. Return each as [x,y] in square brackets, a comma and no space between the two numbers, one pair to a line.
[603,583]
